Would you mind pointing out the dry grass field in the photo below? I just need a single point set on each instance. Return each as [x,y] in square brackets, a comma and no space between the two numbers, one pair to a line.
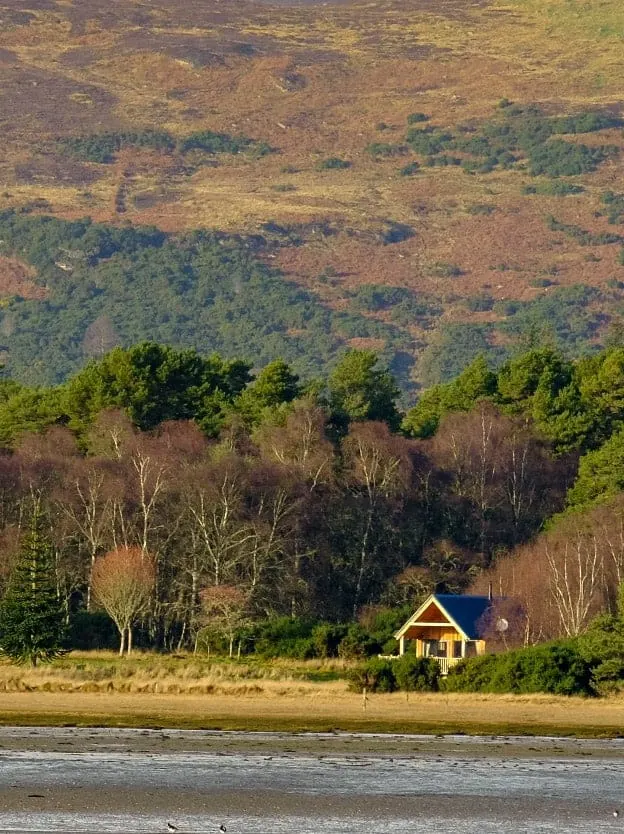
[186,692]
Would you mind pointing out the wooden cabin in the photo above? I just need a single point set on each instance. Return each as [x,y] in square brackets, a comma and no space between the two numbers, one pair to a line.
[446,627]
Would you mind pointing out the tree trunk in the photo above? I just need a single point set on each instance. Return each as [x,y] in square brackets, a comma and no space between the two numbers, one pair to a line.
[129,649]
[122,644]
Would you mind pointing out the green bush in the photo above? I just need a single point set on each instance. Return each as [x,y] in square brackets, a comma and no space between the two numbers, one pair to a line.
[386,150]
[415,118]
[557,188]
[416,674]
[479,303]
[377,675]
[557,668]
[326,638]
[282,637]
[558,158]
[102,147]
[358,642]
[429,140]
[410,169]
[333,163]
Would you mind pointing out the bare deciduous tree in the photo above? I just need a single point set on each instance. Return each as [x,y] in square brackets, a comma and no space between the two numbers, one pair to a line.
[123,581]
[224,611]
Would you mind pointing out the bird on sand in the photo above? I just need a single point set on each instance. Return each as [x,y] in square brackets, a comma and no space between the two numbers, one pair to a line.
[222,828]
[171,827]
[616,814]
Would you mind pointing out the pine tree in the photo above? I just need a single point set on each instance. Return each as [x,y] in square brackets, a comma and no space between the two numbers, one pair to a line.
[32,620]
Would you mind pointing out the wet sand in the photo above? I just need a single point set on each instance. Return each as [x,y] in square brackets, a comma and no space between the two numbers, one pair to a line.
[80,779]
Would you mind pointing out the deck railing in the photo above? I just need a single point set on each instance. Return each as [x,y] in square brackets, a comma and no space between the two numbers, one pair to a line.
[446,663]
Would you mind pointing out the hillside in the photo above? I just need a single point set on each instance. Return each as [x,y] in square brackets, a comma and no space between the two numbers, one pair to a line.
[427,179]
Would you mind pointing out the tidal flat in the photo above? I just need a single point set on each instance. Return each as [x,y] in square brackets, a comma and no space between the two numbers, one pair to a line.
[90,780]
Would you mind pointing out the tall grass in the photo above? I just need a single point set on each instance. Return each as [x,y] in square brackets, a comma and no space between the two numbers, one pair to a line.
[169,674]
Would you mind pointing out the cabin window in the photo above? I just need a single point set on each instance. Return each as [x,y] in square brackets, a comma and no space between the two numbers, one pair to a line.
[442,648]
[430,648]
[457,648]
[471,648]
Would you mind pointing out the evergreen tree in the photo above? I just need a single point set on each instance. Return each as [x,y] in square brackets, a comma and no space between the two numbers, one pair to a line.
[32,620]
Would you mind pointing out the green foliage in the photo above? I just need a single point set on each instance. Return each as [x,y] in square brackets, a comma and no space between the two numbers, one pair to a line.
[211,142]
[615,206]
[333,163]
[383,149]
[198,290]
[281,637]
[377,675]
[554,188]
[600,474]
[359,390]
[408,673]
[564,316]
[480,303]
[442,161]
[476,382]
[102,147]
[417,674]
[429,140]
[274,387]
[455,347]
[32,619]
[585,122]
[581,236]
[558,158]
[410,169]
[556,668]
[415,118]
[154,383]
[29,410]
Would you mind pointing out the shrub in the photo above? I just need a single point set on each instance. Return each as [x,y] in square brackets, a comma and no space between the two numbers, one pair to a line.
[410,169]
[102,147]
[377,675]
[326,638]
[556,668]
[442,161]
[479,303]
[481,208]
[429,140]
[558,158]
[357,642]
[333,163]
[384,149]
[416,674]
[211,142]
[282,637]
[558,188]
[415,118]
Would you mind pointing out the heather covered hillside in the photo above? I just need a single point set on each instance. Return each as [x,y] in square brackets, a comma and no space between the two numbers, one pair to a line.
[429,180]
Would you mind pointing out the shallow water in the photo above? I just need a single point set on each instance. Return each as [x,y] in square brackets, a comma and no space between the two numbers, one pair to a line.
[431,790]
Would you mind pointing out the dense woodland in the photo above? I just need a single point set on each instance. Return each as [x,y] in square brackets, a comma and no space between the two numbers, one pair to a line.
[268,498]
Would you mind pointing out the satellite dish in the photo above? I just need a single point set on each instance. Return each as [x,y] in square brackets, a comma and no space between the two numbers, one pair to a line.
[502,625]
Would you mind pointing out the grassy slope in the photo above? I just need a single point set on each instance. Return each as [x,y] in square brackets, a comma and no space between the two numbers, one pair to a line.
[317,81]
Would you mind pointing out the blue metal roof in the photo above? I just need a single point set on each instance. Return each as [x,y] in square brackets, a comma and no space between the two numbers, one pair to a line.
[465,610]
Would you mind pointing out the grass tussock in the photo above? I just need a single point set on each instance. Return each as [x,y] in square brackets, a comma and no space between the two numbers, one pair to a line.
[105,672]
